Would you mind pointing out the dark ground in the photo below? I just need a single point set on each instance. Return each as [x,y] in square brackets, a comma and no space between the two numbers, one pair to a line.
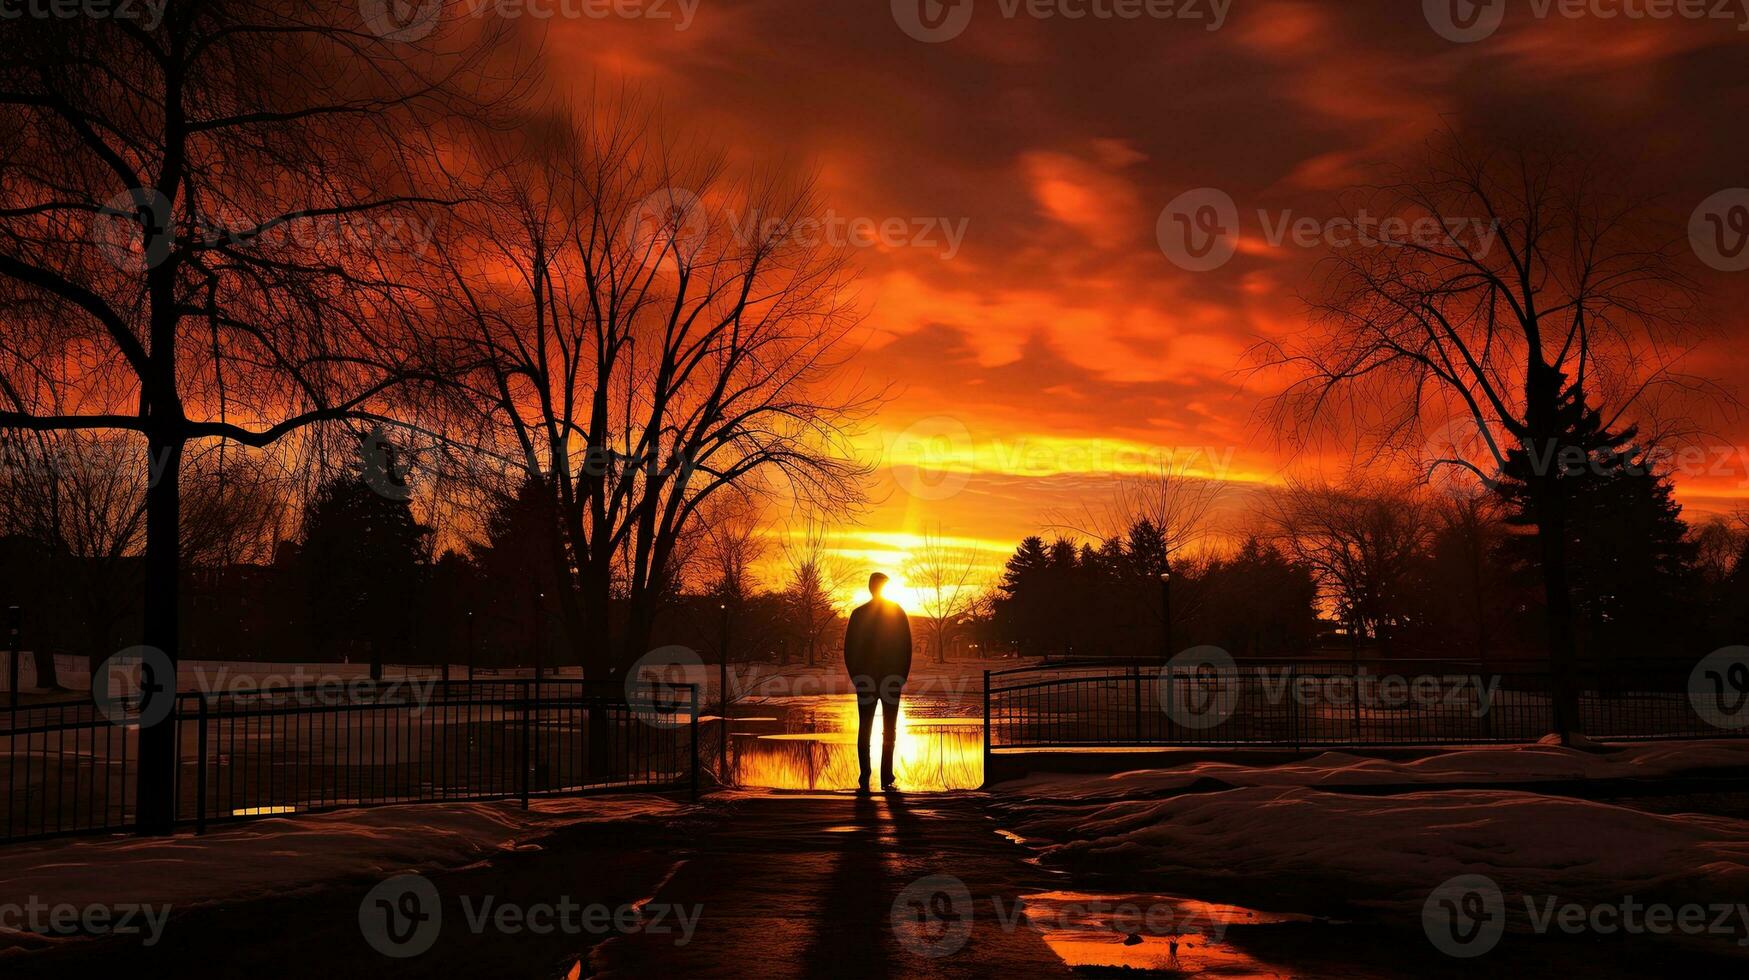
[789,885]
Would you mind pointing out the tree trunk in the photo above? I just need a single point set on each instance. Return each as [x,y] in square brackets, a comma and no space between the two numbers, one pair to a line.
[596,636]
[1548,500]
[1558,599]
[596,641]
[45,669]
[156,802]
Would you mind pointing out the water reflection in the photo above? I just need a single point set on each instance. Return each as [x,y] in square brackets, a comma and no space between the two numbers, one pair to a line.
[1155,934]
[810,743]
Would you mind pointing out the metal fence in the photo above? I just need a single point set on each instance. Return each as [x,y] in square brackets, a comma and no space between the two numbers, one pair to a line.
[1296,704]
[70,769]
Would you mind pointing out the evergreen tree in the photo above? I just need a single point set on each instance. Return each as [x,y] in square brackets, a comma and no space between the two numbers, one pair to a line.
[517,563]
[1021,607]
[364,557]
[1628,557]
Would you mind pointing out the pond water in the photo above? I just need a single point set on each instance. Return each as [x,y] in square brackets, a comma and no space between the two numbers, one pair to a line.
[810,743]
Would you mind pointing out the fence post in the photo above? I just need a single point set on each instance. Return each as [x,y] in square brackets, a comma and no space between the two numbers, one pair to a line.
[1166,703]
[200,773]
[1136,682]
[527,720]
[1295,705]
[989,733]
[692,707]
[1354,695]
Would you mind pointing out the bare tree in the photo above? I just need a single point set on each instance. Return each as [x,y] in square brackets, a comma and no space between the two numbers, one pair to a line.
[1359,543]
[814,578]
[81,496]
[1519,289]
[1719,542]
[1177,500]
[1174,506]
[730,542]
[945,578]
[215,213]
[651,351]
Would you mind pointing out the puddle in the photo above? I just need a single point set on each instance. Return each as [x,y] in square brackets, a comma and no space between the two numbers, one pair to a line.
[1164,935]
[809,743]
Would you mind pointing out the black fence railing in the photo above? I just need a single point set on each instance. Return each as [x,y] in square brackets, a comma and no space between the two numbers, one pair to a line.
[1327,704]
[70,769]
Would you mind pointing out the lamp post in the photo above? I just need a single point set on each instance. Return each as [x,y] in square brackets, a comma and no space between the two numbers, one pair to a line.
[540,635]
[1166,615]
[723,693]
[470,646]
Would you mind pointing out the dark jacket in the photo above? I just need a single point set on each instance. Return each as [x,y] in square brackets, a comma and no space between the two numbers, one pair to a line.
[877,643]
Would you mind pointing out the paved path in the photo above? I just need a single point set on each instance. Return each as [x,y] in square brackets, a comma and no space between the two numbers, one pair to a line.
[798,885]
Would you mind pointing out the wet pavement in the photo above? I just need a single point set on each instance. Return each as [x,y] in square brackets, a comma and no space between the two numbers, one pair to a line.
[773,884]
[840,885]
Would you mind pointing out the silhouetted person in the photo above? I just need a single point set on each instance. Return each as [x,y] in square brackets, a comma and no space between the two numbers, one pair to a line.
[877,652]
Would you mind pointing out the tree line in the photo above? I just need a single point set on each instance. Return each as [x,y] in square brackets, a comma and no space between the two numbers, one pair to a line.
[1390,568]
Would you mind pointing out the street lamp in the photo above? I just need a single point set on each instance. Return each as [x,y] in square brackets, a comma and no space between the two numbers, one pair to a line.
[1166,614]
[540,639]
[723,694]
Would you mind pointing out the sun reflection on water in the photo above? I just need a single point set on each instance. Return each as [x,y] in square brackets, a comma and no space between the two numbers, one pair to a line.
[933,751]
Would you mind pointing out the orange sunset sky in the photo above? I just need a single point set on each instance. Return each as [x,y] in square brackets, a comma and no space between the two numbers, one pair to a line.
[1055,332]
